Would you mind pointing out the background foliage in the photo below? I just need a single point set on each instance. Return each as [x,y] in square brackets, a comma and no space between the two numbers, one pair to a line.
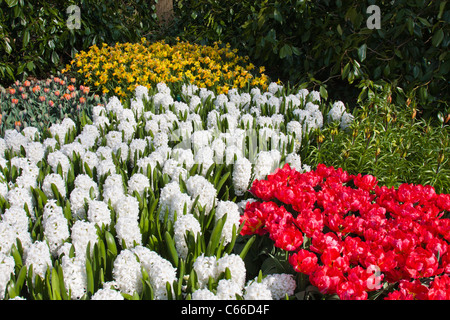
[315,43]
[388,141]
[35,39]
[328,42]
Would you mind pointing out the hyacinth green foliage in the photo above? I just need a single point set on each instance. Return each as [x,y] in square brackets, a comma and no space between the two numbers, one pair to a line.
[389,142]
[40,103]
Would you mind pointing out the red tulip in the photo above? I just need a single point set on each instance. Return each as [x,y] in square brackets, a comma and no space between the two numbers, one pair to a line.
[355,229]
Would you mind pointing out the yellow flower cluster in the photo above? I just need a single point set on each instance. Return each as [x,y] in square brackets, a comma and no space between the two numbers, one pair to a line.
[119,69]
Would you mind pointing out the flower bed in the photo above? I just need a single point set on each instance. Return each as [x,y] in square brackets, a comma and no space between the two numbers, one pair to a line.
[353,238]
[143,201]
[40,103]
[120,68]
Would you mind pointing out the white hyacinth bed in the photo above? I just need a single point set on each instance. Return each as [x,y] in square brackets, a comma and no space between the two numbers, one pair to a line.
[143,201]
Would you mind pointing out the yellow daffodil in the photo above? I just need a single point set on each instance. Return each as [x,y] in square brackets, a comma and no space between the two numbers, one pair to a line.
[123,66]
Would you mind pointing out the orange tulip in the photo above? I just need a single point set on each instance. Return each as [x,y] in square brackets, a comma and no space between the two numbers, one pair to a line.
[15,101]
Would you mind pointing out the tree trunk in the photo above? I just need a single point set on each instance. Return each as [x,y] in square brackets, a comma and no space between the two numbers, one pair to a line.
[164,10]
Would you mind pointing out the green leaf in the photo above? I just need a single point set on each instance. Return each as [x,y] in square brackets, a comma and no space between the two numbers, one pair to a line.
[9,70]
[90,277]
[72,251]
[215,236]
[56,193]
[26,38]
[351,15]
[135,296]
[30,66]
[172,251]
[178,286]
[17,257]
[92,193]
[346,70]
[247,247]
[12,3]
[441,9]
[48,285]
[111,243]
[235,233]
[55,57]
[67,211]
[169,291]
[425,22]
[260,277]
[285,51]
[222,181]
[62,286]
[8,50]
[55,285]
[127,296]
[277,16]
[438,37]
[87,170]
[217,175]
[410,25]
[20,280]
[323,92]
[362,52]
[227,273]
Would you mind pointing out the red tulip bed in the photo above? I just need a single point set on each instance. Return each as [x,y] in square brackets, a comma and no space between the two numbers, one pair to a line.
[353,238]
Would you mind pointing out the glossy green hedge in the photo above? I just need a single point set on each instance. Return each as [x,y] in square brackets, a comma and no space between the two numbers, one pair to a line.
[35,38]
[328,42]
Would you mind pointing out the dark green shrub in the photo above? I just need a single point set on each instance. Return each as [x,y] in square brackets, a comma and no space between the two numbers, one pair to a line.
[326,41]
[36,36]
